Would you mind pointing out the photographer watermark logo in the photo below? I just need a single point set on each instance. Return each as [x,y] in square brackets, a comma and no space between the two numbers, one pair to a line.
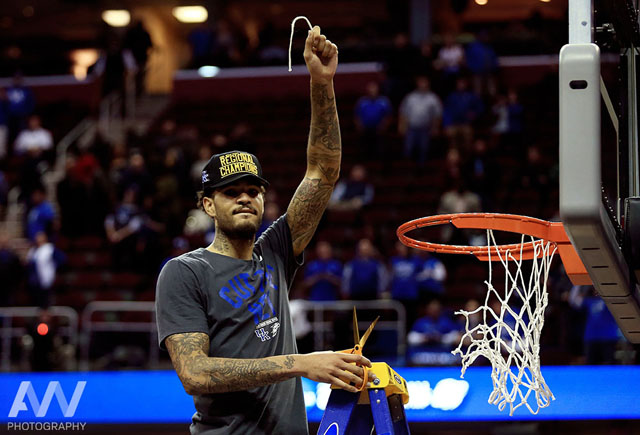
[40,409]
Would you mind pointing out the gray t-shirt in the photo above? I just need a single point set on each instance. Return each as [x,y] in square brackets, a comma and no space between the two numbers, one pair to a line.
[243,306]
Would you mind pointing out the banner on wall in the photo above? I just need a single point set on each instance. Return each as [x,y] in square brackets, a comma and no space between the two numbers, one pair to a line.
[437,394]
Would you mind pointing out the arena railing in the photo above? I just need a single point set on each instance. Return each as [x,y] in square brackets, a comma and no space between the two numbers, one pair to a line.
[8,330]
[321,318]
[90,326]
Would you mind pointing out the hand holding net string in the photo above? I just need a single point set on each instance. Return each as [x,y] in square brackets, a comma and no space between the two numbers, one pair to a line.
[293,24]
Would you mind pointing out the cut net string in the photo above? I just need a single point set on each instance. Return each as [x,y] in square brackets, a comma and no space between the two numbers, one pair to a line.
[293,24]
[510,339]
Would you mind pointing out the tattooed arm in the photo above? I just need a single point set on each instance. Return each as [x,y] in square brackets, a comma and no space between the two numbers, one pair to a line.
[201,374]
[324,147]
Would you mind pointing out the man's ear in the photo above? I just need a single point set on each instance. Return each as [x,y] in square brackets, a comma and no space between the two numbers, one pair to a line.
[209,206]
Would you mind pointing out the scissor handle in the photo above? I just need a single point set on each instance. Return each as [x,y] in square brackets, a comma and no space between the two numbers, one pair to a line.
[357,350]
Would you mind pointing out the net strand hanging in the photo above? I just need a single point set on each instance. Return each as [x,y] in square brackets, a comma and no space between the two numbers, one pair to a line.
[510,339]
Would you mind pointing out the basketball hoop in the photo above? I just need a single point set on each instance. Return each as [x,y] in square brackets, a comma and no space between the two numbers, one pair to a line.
[508,336]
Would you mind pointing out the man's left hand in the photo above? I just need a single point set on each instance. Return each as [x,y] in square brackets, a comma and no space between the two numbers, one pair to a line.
[321,57]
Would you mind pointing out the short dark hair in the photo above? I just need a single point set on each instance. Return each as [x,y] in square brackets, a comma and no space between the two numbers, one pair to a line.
[200,195]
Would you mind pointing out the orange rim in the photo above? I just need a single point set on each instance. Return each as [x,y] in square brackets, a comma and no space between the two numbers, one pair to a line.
[537,228]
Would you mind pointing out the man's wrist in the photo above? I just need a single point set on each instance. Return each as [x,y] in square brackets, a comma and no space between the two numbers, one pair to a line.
[321,82]
[294,364]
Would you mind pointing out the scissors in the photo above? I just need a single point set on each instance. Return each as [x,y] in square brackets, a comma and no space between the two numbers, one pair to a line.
[359,344]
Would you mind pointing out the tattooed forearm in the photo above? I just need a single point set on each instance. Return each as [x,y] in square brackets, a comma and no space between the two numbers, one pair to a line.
[324,138]
[289,361]
[201,374]
[306,208]
[324,152]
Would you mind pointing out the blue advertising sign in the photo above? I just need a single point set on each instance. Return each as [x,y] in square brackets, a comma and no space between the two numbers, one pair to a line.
[437,394]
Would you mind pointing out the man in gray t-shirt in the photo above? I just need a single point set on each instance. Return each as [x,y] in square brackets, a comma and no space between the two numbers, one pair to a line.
[420,114]
[223,311]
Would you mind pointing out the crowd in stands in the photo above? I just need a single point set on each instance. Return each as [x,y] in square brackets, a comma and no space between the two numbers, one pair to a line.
[442,105]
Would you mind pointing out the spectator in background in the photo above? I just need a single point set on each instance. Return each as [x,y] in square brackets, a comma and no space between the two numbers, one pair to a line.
[481,171]
[483,64]
[419,119]
[43,260]
[135,175]
[425,63]
[323,276]
[82,196]
[458,199]
[372,116]
[430,277]
[365,276]
[11,271]
[354,192]
[110,66]
[500,112]
[4,124]
[450,61]
[35,147]
[167,136]
[509,125]
[435,331]
[404,267]
[601,332]
[169,180]
[138,42]
[515,112]
[35,142]
[453,164]
[123,228]
[21,105]
[41,214]
[461,109]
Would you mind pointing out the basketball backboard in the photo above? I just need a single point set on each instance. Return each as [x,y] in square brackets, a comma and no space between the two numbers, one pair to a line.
[599,169]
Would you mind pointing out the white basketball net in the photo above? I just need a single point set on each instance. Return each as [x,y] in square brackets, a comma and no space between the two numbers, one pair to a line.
[510,338]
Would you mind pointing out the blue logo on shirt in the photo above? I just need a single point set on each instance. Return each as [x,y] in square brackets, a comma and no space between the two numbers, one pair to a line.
[240,289]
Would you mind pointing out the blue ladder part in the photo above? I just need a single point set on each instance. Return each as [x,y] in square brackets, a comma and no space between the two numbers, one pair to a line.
[388,413]
[344,416]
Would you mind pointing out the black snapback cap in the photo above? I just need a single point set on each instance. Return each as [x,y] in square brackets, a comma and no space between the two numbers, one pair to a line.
[225,168]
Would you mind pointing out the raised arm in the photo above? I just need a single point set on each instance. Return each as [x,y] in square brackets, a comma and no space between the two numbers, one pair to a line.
[324,147]
[201,374]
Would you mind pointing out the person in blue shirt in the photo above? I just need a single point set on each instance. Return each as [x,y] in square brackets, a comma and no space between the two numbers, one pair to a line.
[364,277]
[353,193]
[461,110]
[323,276]
[21,104]
[482,61]
[41,215]
[601,332]
[372,117]
[431,276]
[405,266]
[436,331]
